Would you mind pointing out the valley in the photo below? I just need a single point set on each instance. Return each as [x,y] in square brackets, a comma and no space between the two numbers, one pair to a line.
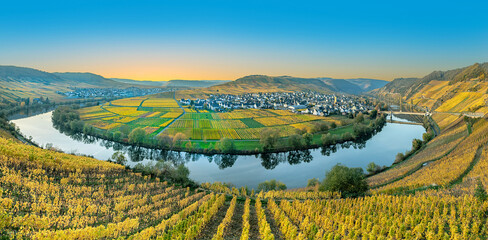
[438,175]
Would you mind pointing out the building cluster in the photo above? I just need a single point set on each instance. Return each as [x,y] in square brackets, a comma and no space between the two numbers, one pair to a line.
[299,102]
[111,92]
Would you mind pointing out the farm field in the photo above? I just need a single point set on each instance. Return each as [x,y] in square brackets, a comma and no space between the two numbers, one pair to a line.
[161,115]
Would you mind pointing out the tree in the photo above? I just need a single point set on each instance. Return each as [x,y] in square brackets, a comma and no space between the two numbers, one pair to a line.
[480,191]
[271,185]
[164,141]
[373,168]
[320,126]
[119,158]
[416,144]
[373,114]
[269,138]
[313,182]
[307,138]
[295,141]
[77,126]
[226,145]
[178,138]
[136,136]
[361,131]
[399,157]
[117,136]
[347,136]
[181,174]
[188,145]
[359,118]
[328,139]
[348,181]
[427,136]
[125,129]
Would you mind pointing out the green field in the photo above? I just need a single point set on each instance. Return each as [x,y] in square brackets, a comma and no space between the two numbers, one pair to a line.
[160,115]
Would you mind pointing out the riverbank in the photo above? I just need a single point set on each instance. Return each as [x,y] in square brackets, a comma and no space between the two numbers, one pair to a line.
[68,120]
[293,168]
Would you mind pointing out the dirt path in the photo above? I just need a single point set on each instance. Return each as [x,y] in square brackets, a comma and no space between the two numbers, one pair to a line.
[253,221]
[273,225]
[234,229]
[211,228]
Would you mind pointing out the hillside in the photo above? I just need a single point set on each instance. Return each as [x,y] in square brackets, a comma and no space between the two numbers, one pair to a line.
[408,87]
[50,195]
[21,82]
[263,83]
[90,80]
[458,156]
[353,86]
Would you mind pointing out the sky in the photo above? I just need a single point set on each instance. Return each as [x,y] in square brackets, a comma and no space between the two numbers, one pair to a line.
[179,39]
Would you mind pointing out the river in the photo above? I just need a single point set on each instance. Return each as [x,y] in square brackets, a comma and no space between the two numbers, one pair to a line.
[292,168]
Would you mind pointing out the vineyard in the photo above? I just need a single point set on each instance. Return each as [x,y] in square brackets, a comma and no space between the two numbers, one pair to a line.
[161,115]
[50,195]
[435,149]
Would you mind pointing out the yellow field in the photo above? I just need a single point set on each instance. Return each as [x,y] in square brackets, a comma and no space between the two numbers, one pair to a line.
[154,114]
[270,121]
[463,102]
[128,102]
[171,115]
[160,102]
[125,111]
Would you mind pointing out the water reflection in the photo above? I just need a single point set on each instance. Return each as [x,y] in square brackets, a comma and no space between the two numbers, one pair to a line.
[293,168]
[269,161]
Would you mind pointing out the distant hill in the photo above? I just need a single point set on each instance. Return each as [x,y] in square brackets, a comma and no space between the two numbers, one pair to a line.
[90,79]
[147,83]
[175,83]
[408,87]
[13,74]
[22,82]
[354,86]
[263,83]
[195,83]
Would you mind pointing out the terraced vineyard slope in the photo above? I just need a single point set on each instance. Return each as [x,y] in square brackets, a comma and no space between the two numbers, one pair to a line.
[50,195]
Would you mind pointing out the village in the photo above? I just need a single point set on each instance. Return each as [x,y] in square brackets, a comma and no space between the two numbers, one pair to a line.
[298,102]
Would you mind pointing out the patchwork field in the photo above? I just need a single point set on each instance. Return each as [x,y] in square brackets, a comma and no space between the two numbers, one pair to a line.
[161,115]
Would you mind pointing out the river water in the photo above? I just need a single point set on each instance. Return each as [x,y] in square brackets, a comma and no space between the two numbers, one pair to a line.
[292,168]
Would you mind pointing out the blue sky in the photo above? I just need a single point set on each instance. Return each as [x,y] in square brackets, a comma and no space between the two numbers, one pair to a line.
[162,40]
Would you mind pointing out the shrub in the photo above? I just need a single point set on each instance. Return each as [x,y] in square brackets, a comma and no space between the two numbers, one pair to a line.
[348,181]
[271,185]
[399,158]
